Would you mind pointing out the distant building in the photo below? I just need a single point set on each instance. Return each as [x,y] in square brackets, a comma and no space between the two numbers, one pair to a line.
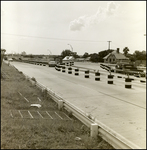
[115,57]
[82,59]
[68,60]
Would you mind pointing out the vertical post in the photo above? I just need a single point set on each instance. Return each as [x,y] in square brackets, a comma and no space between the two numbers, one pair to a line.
[94,130]
[110,79]
[77,72]
[109,45]
[128,83]
[63,68]
[97,76]
[60,104]
[69,70]
[87,74]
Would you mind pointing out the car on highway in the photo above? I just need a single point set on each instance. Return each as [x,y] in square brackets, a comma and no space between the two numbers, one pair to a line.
[52,63]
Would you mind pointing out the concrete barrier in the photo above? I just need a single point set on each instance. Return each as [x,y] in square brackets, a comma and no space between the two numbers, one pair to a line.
[87,74]
[110,79]
[142,81]
[97,76]
[69,70]
[63,68]
[119,76]
[128,83]
[77,72]
[59,68]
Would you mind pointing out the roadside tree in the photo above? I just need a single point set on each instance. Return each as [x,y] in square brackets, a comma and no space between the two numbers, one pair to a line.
[125,50]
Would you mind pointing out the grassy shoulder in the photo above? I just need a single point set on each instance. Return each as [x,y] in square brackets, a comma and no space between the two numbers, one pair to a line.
[37,133]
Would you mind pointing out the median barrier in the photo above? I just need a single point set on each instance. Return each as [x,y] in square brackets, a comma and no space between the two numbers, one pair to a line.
[110,79]
[87,74]
[142,81]
[128,83]
[63,68]
[119,76]
[71,63]
[69,70]
[77,72]
[97,76]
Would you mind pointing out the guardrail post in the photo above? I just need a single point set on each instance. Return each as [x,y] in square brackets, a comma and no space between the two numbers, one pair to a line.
[60,104]
[77,72]
[94,130]
[87,74]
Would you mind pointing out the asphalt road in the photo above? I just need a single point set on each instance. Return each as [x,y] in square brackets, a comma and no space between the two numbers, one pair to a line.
[122,110]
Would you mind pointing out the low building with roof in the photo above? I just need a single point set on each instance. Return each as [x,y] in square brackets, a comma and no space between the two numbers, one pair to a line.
[68,60]
[115,57]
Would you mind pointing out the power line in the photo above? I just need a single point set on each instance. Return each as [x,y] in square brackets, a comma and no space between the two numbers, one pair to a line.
[51,38]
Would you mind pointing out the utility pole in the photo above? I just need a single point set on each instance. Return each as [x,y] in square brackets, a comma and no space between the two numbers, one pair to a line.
[109,45]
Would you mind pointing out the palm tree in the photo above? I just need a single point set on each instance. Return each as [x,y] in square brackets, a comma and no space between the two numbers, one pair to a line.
[125,50]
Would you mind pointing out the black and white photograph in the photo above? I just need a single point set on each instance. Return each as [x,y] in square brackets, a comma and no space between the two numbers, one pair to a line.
[73,74]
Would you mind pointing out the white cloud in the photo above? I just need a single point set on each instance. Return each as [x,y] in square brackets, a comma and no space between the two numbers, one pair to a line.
[100,15]
[77,24]
[111,8]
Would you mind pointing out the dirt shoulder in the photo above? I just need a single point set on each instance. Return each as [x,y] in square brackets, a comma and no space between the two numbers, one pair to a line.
[26,127]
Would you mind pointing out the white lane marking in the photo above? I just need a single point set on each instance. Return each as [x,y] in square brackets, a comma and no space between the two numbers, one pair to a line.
[26,99]
[67,116]
[49,115]
[11,113]
[39,99]
[30,114]
[20,93]
[20,114]
[58,115]
[23,97]
[40,114]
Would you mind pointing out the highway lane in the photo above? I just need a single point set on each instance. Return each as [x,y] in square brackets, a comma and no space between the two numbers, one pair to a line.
[121,109]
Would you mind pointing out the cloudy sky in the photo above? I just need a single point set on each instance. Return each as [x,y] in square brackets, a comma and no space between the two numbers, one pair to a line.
[49,27]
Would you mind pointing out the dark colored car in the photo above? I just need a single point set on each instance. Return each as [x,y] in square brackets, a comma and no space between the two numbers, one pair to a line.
[52,64]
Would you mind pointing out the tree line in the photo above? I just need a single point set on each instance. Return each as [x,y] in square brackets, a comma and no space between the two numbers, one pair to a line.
[98,57]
